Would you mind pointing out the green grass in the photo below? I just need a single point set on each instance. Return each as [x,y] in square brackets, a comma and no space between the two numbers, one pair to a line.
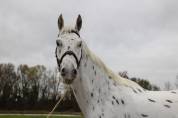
[21,116]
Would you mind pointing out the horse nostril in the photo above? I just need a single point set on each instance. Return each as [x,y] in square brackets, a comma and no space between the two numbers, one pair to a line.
[74,71]
[63,71]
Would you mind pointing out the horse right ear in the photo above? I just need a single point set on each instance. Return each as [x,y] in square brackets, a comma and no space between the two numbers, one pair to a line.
[60,22]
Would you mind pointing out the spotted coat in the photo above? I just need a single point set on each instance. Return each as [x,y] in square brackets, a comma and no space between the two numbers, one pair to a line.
[102,94]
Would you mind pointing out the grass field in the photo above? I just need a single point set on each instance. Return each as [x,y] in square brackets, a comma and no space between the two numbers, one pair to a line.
[33,116]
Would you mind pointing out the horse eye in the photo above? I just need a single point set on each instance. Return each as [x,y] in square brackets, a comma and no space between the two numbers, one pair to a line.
[79,44]
[59,43]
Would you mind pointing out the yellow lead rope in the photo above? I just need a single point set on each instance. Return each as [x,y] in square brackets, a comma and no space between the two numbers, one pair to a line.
[50,113]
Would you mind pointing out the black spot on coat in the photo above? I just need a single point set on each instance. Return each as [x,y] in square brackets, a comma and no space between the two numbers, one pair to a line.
[169,101]
[92,81]
[134,91]
[167,106]
[139,90]
[112,102]
[91,94]
[122,101]
[117,101]
[173,92]
[144,115]
[151,100]
[95,72]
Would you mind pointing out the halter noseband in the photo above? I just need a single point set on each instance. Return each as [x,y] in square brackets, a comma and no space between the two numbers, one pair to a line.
[59,61]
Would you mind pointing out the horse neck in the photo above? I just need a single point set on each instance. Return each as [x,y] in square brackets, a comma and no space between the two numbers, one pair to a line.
[94,84]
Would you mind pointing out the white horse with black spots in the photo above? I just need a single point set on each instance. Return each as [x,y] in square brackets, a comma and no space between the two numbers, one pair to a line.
[101,93]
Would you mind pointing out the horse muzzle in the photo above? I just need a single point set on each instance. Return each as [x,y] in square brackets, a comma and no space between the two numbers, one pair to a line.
[68,75]
[68,66]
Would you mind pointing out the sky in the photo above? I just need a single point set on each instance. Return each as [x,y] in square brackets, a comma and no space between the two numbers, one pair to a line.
[137,36]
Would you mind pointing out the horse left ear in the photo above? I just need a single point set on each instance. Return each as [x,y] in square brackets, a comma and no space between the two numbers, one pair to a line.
[78,23]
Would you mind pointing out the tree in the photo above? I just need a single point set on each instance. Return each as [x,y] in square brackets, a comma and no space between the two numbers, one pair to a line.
[124,74]
[145,84]
[142,82]
[35,87]
[7,82]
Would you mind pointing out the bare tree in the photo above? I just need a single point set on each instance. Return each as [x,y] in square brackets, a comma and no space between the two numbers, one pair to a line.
[124,74]
[7,83]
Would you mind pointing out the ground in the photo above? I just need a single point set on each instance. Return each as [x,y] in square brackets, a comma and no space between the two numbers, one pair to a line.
[37,116]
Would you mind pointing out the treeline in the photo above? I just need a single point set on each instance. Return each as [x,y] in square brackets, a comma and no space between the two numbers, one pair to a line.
[37,88]
[142,82]
[32,88]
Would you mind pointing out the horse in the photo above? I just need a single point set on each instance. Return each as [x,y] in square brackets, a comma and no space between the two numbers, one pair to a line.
[101,93]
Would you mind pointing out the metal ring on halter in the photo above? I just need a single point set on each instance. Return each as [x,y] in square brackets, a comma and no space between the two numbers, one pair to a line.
[59,61]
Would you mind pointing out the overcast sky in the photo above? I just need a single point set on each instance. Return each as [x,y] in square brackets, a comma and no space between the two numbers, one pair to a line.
[139,36]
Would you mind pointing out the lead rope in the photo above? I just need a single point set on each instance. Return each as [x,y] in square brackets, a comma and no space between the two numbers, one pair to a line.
[50,113]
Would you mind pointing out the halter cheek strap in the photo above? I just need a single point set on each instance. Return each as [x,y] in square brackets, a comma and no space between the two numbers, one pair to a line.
[59,61]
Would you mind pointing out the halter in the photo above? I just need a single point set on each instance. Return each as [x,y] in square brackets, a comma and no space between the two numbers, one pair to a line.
[73,31]
[59,61]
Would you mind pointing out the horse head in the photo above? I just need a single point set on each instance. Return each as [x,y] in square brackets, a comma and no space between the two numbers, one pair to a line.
[69,50]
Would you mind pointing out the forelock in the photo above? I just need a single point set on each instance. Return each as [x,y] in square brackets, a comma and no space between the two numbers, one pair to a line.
[69,29]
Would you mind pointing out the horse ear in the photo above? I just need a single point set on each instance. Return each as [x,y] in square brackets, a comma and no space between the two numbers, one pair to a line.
[60,22]
[78,23]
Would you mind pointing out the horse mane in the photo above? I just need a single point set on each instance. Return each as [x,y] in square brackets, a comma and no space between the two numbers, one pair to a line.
[116,77]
